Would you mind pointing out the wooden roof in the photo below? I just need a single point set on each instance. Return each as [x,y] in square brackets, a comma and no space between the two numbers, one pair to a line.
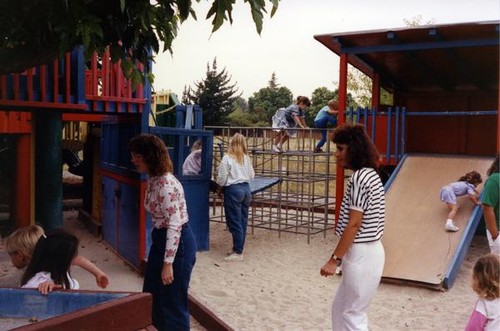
[462,56]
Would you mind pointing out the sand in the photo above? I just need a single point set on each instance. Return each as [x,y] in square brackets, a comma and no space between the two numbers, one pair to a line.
[278,286]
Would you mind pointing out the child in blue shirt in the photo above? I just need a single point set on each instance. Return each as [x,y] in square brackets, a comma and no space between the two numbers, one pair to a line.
[327,114]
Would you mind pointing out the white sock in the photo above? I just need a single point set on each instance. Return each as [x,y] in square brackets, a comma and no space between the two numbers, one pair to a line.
[449,221]
[279,145]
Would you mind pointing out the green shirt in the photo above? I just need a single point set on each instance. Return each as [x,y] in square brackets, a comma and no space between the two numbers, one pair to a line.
[491,194]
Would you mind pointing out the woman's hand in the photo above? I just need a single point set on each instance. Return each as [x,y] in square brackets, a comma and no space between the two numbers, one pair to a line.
[167,274]
[329,268]
[47,287]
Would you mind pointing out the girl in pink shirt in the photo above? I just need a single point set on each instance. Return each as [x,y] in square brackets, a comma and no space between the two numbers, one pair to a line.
[485,278]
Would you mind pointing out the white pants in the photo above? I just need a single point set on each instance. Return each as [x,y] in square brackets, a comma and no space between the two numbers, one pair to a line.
[494,244]
[362,268]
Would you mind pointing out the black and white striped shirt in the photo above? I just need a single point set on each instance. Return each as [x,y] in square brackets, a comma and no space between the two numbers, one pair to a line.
[364,193]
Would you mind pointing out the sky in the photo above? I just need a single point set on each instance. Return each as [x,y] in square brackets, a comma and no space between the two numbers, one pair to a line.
[286,45]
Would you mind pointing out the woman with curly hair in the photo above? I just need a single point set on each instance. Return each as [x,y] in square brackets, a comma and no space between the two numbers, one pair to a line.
[360,227]
[173,251]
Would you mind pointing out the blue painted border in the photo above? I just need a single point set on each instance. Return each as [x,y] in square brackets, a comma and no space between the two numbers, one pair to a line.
[387,185]
[463,247]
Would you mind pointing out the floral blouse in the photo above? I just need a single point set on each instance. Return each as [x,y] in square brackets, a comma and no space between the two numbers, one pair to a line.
[166,203]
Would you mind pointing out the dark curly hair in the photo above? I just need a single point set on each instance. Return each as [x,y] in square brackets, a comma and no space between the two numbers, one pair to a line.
[472,177]
[154,153]
[361,152]
[304,100]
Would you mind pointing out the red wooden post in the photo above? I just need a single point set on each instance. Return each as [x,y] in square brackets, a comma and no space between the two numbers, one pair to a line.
[3,86]
[94,74]
[119,80]
[339,187]
[375,90]
[498,122]
[106,77]
[43,82]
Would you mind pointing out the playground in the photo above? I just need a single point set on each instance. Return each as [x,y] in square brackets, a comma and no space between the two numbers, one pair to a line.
[279,286]
[438,128]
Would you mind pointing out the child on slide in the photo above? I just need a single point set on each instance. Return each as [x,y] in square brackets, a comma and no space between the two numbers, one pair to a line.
[466,185]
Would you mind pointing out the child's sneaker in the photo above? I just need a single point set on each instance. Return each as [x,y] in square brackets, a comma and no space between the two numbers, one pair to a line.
[276,149]
[234,257]
[451,227]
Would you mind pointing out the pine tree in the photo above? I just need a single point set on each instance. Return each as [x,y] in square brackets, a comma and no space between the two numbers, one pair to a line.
[264,103]
[215,95]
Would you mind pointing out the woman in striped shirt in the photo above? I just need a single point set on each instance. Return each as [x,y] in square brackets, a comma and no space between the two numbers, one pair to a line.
[360,227]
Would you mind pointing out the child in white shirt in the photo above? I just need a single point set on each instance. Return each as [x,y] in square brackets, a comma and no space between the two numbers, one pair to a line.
[486,314]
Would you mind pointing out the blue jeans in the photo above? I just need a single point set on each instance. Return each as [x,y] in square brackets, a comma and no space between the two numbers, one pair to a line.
[321,124]
[170,302]
[237,199]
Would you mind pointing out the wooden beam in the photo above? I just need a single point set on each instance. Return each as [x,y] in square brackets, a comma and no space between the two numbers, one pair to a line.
[339,190]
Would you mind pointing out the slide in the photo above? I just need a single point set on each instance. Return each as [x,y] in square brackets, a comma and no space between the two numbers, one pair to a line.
[418,249]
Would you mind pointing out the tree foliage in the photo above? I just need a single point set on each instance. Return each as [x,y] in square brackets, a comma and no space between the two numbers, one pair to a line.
[240,115]
[319,99]
[360,86]
[417,21]
[214,94]
[36,32]
[263,104]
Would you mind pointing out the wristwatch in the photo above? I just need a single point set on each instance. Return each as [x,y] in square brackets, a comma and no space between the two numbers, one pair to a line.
[336,258]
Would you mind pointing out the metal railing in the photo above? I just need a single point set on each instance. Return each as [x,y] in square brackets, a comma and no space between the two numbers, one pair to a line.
[302,201]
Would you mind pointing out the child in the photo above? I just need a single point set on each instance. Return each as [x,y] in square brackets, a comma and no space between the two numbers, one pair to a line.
[325,115]
[485,277]
[21,243]
[288,118]
[235,171]
[192,164]
[466,185]
[49,266]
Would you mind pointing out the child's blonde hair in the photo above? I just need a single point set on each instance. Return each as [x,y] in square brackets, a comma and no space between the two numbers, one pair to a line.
[472,177]
[238,147]
[24,240]
[486,276]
